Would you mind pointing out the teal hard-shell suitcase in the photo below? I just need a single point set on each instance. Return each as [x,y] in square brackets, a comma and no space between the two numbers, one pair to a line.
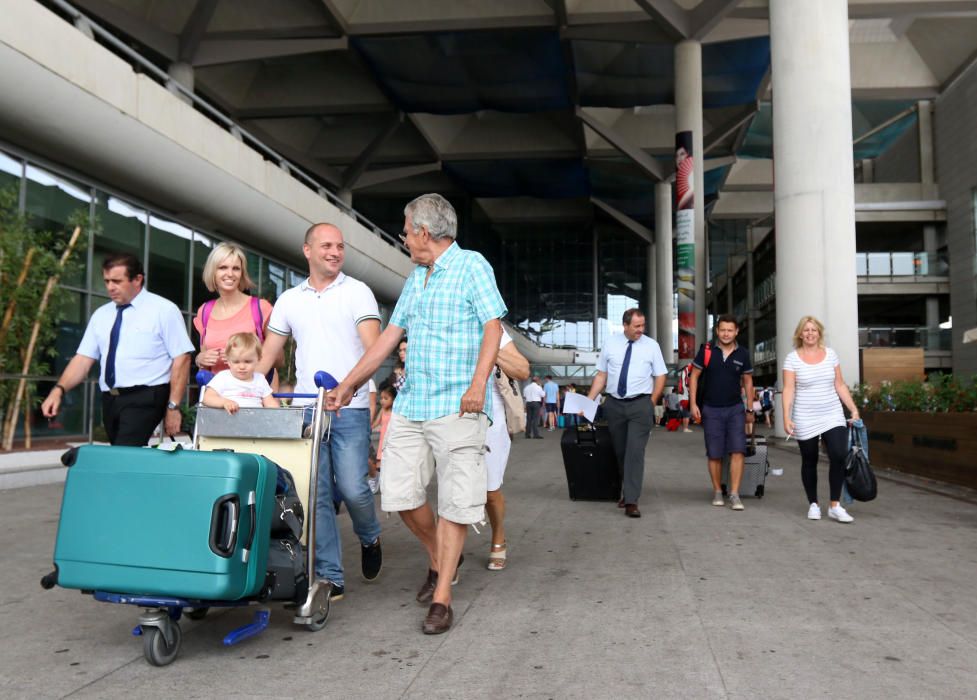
[185,523]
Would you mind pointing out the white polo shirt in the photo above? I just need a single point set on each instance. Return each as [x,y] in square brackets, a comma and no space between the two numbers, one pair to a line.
[152,334]
[646,362]
[324,327]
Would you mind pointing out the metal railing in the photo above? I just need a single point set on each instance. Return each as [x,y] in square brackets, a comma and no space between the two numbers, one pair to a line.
[901,264]
[149,68]
[905,337]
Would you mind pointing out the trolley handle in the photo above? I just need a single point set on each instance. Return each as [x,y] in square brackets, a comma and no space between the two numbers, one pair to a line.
[224,521]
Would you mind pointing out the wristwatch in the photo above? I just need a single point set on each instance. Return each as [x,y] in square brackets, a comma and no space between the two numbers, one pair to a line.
[172,406]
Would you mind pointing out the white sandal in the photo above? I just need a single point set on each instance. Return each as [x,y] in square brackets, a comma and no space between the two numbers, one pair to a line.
[497,556]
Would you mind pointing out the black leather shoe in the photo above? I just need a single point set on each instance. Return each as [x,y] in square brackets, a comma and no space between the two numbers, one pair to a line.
[438,620]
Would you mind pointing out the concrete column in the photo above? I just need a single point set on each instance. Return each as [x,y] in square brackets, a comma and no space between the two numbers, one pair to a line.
[663,261]
[933,302]
[868,170]
[814,192]
[751,314]
[924,112]
[729,285]
[688,117]
[181,73]
[651,318]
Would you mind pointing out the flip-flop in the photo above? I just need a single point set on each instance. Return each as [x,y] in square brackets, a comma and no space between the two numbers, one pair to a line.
[497,557]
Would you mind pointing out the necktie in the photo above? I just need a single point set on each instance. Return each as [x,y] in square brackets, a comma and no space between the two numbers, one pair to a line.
[113,345]
[622,383]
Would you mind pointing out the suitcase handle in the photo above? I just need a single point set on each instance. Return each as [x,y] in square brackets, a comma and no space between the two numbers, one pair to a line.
[586,436]
[224,521]
[253,513]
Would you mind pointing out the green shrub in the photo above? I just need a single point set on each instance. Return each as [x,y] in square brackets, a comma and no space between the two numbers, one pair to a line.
[940,393]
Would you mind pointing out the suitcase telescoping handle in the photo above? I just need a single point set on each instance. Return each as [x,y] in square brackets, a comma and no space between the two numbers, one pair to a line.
[224,521]
[252,505]
[586,435]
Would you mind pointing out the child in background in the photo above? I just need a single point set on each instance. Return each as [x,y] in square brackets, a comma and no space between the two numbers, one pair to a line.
[239,385]
[382,420]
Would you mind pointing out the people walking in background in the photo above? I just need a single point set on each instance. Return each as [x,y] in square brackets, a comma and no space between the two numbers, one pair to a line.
[631,366]
[380,423]
[534,396]
[498,443]
[766,406]
[814,391]
[728,376]
[552,391]
[140,339]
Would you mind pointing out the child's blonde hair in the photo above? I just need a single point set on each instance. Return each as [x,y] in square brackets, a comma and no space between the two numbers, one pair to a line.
[244,342]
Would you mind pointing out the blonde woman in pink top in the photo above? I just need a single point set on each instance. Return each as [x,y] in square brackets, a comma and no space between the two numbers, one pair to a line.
[233,311]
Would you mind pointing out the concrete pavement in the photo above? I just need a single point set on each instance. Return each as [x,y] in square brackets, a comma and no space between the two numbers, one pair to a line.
[690,601]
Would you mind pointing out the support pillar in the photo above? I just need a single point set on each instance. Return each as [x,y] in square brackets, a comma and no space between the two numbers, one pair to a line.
[651,316]
[663,275]
[814,192]
[729,284]
[751,314]
[181,73]
[924,113]
[932,302]
[688,117]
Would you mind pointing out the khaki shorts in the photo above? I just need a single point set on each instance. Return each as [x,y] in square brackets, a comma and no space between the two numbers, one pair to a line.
[454,446]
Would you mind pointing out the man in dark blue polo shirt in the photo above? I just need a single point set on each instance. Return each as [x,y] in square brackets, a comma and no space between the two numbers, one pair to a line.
[728,376]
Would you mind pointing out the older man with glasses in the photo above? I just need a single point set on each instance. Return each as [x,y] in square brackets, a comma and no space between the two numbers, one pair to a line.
[452,310]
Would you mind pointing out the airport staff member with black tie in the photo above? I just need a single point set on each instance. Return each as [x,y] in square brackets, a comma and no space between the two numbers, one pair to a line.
[626,365]
[141,340]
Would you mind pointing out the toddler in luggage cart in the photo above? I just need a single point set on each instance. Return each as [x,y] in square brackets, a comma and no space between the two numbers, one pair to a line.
[239,385]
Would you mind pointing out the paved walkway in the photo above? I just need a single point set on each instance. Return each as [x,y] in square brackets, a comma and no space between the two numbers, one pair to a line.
[690,601]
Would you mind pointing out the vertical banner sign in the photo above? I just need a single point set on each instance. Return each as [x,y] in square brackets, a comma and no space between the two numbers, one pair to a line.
[685,243]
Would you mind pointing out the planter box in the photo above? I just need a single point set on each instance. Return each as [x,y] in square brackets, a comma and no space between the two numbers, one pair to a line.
[941,446]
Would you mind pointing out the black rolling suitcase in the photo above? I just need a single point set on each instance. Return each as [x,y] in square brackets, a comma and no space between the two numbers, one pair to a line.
[588,457]
[755,468]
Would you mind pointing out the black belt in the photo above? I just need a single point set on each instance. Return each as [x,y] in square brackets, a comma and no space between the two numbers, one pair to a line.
[630,398]
[123,390]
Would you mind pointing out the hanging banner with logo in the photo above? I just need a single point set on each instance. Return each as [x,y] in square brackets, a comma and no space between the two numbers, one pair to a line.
[685,243]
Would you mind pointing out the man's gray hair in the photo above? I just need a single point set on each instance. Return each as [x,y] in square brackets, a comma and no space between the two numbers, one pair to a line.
[434,212]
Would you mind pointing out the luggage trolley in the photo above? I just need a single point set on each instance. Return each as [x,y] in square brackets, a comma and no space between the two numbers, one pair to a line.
[281,436]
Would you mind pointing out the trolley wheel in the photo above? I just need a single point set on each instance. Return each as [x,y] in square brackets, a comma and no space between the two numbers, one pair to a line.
[155,648]
[320,615]
[197,613]
[759,491]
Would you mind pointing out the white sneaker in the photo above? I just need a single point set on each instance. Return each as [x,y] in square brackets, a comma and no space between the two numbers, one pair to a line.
[814,512]
[840,514]
[717,499]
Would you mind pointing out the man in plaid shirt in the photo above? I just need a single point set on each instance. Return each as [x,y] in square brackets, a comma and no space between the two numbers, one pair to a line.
[451,309]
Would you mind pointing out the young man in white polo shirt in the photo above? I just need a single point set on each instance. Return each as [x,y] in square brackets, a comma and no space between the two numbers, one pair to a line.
[334,320]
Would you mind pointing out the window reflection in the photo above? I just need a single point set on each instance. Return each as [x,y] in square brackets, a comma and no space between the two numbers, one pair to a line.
[202,245]
[51,202]
[169,249]
[123,230]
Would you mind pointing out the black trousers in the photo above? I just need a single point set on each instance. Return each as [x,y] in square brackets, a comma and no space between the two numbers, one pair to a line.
[629,423]
[836,442]
[532,418]
[130,419]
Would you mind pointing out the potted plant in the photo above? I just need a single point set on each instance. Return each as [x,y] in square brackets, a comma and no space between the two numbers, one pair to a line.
[927,427]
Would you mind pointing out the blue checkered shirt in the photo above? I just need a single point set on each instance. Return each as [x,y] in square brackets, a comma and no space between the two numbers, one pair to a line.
[444,323]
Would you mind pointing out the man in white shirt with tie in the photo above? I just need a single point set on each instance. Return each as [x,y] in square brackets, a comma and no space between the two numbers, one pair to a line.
[626,366]
[140,339]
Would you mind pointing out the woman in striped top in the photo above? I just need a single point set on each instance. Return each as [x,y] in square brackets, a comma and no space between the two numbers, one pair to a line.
[813,393]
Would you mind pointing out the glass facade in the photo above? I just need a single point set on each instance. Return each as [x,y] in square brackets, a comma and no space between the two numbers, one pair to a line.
[173,255]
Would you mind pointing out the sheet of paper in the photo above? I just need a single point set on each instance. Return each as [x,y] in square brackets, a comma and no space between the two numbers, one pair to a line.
[575,403]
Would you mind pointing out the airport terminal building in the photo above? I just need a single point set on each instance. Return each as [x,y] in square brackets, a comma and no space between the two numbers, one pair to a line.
[768,158]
